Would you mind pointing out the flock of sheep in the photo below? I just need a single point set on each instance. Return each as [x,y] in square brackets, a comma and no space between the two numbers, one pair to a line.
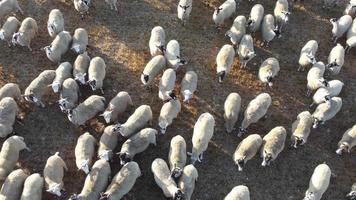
[176,179]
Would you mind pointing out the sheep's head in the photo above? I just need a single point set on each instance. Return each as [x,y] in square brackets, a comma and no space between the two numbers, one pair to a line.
[285,16]
[351,195]
[344,147]
[309,196]
[187,95]
[267,159]
[117,128]
[63,104]
[298,142]
[241,132]
[105,155]
[163,125]
[250,22]
[333,20]
[76,48]
[48,50]
[145,78]
[172,95]
[240,163]
[124,158]
[104,196]
[181,61]
[51,29]
[80,78]
[277,33]
[70,115]
[324,82]
[2,35]
[176,172]
[107,115]
[15,38]
[327,98]
[311,58]
[332,64]
[316,123]
[270,79]
[184,8]
[85,166]
[178,195]
[56,190]
[217,10]
[74,197]
[92,84]
[221,76]
[56,86]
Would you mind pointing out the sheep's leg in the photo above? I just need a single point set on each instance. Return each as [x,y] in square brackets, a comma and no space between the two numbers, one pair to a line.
[29,46]
[102,91]
[200,159]
[311,105]
[19,9]
[308,93]
[300,68]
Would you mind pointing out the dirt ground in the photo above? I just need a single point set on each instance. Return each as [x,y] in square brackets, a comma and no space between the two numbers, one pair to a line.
[122,40]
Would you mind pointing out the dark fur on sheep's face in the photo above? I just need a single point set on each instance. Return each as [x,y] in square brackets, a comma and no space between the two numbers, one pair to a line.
[298,141]
[92,84]
[178,195]
[221,76]
[124,158]
[268,159]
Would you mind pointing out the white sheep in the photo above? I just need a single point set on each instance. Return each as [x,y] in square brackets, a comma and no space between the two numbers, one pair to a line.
[202,134]
[301,128]
[273,145]
[152,69]
[351,9]
[188,85]
[53,174]
[63,72]
[315,78]
[8,112]
[340,26]
[184,9]
[113,4]
[169,112]
[33,186]
[58,47]
[26,33]
[117,106]
[281,13]
[13,185]
[255,18]
[232,107]
[307,54]
[269,31]
[326,111]
[107,143]
[336,59]
[82,6]
[80,67]
[187,181]
[172,55]
[166,85]
[9,6]
[348,141]
[157,41]
[240,192]
[86,110]
[352,194]
[256,109]
[136,144]
[268,71]
[319,182]
[96,73]
[8,29]
[237,30]
[350,36]
[55,23]
[177,156]
[224,61]
[84,152]
[246,50]
[246,150]
[135,122]
[325,93]
[80,41]
[223,12]
[11,90]
[69,95]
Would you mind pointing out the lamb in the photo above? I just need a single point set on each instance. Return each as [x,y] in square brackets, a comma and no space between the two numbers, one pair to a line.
[136,144]
[268,71]
[352,194]
[203,132]
[166,85]
[177,156]
[169,112]
[348,141]
[9,154]
[315,78]
[107,143]
[255,19]
[326,111]
[8,29]
[319,182]
[232,107]
[281,13]
[69,95]
[116,107]
[96,73]
[269,31]
[26,33]
[86,110]
[152,69]
[340,26]
[80,41]
[84,152]
[172,55]
[55,23]
[336,59]
[33,186]
[273,145]
[122,182]
[8,112]
[162,177]
[246,150]
[80,67]
[240,192]
[135,122]
[237,30]
[63,72]
[188,85]
[307,54]
[351,36]
[58,47]
[224,61]
[82,6]
[11,90]
[246,50]
[223,12]
[301,128]
[9,6]
[157,41]
[53,174]
[324,94]
[113,4]
[184,9]
[256,109]
[187,181]
[13,185]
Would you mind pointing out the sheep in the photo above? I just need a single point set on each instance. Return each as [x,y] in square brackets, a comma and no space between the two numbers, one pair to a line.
[188,85]
[169,112]
[162,177]
[237,30]
[324,94]
[135,122]
[240,192]
[116,107]
[232,107]
[96,73]
[86,110]
[301,128]
[177,156]
[95,182]
[340,26]
[152,69]
[11,90]
[33,186]
[9,154]
[107,143]
[255,18]
[113,4]
[223,12]
[336,59]
[166,85]
[246,150]
[53,174]
[268,71]
[246,50]
[55,23]
[348,141]
[187,181]
[82,6]
[80,67]
[157,41]
[69,95]
[269,31]
[307,54]
[315,78]
[13,185]
[351,9]
[224,61]
[80,41]
[351,36]
[202,134]
[8,29]
[172,55]
[184,9]
[122,182]
[281,13]
[319,182]
[8,112]
[273,145]
[9,6]
[326,111]
[352,194]
[84,152]
[58,47]
[256,109]
[26,33]
[63,72]
[136,144]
